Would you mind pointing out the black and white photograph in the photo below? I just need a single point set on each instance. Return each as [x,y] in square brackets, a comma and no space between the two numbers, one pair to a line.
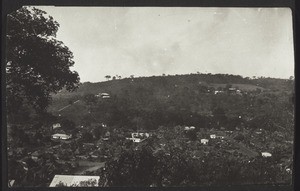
[149,96]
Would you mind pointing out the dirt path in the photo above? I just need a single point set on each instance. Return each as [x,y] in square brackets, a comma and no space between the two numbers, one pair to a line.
[68,106]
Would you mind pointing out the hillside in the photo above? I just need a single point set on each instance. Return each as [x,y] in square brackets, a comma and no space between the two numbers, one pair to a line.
[149,102]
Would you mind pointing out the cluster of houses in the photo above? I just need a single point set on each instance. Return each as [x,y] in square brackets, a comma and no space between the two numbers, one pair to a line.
[138,137]
[56,127]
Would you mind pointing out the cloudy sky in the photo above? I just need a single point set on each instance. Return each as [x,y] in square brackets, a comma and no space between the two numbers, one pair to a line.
[151,41]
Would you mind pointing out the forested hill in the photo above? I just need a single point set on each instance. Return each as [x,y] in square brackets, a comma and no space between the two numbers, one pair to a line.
[190,81]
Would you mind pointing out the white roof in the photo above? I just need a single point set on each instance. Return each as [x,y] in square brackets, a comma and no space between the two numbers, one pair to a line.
[69,180]
[266,154]
[189,128]
[11,183]
[62,136]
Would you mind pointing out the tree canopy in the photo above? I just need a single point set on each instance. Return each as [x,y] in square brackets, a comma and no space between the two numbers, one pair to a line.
[37,64]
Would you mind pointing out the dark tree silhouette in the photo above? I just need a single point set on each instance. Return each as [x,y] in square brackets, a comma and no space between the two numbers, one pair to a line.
[107,77]
[37,64]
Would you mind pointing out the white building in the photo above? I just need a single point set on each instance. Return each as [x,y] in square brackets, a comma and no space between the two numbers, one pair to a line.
[213,136]
[266,154]
[75,180]
[61,136]
[204,141]
[56,125]
[189,128]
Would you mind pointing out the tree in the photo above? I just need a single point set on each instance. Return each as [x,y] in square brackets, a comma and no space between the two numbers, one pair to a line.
[107,77]
[133,168]
[90,99]
[219,115]
[37,64]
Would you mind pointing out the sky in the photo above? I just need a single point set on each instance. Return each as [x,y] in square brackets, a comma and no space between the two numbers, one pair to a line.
[147,41]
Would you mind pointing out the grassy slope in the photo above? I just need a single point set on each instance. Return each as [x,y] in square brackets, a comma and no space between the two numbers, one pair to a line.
[161,87]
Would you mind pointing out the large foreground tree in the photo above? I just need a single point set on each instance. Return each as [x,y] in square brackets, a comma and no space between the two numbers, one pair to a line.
[37,64]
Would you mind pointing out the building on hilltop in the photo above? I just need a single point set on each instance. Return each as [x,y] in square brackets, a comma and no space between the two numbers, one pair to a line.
[103,95]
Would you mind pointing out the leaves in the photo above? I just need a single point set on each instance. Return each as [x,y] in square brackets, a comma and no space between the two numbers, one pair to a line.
[37,63]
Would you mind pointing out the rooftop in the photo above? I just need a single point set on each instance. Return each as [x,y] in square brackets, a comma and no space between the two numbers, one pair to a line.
[72,180]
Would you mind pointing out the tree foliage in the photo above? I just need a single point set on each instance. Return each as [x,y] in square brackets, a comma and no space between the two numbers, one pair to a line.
[37,64]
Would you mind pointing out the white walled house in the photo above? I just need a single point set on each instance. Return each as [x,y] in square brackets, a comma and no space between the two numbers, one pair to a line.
[266,154]
[61,136]
[189,128]
[204,141]
[213,136]
[56,125]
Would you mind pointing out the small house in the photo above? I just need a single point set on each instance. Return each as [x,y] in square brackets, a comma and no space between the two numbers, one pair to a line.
[204,141]
[189,128]
[105,95]
[266,154]
[56,125]
[59,136]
